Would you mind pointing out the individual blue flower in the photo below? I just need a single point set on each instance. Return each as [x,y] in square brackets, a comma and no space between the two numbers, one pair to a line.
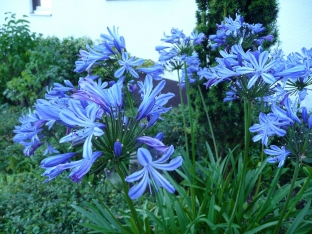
[197,38]
[106,98]
[113,40]
[31,146]
[270,125]
[150,172]
[230,96]
[86,119]
[127,64]
[177,36]
[310,122]
[56,160]
[259,68]
[278,155]
[260,40]
[50,150]
[302,94]
[78,168]
[59,90]
[89,58]
[29,133]
[304,113]
[152,103]
[156,71]
[291,110]
[153,142]
[50,110]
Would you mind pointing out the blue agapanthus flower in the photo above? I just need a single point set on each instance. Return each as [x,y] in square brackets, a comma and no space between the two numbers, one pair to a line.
[180,52]
[78,168]
[150,174]
[152,102]
[127,65]
[257,67]
[270,125]
[278,155]
[237,30]
[86,119]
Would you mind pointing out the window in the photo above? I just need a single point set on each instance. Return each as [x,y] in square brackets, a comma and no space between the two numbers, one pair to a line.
[41,7]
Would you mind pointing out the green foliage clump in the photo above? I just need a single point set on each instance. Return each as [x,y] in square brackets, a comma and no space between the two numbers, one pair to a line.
[52,60]
[27,205]
[11,160]
[16,40]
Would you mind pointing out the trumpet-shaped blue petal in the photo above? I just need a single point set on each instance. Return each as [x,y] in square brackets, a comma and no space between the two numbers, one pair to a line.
[127,64]
[56,160]
[277,154]
[149,172]
[153,142]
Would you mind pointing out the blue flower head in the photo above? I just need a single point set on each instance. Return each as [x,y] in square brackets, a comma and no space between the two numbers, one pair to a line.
[150,172]
[278,155]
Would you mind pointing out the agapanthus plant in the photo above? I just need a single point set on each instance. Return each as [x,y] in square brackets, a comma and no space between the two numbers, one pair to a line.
[100,131]
[292,126]
[233,31]
[178,54]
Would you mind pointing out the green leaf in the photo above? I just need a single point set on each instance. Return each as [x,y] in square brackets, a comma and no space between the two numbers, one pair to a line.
[263,226]
[299,218]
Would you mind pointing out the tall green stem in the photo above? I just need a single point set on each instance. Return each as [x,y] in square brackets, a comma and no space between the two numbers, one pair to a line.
[247,116]
[183,117]
[209,122]
[130,101]
[193,190]
[260,176]
[292,185]
[240,198]
[128,200]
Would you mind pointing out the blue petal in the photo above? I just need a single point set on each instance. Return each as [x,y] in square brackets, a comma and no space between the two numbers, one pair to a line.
[144,156]
[135,176]
[137,190]
[161,181]
[172,165]
[118,73]
[56,160]
[165,156]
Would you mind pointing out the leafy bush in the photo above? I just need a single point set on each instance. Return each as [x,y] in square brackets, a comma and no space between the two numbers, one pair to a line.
[16,40]
[11,161]
[52,60]
[27,205]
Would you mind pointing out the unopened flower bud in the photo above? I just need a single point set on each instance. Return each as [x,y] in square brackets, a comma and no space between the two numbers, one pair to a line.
[304,114]
[117,148]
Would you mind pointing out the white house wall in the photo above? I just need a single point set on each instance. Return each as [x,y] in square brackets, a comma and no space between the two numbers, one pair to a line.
[143,22]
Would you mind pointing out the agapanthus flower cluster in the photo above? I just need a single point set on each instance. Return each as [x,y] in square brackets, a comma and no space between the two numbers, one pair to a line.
[255,74]
[292,126]
[178,53]
[112,54]
[100,130]
[234,31]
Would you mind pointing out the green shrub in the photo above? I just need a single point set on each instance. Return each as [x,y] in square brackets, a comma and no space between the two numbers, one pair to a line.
[27,205]
[16,40]
[52,60]
[11,160]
